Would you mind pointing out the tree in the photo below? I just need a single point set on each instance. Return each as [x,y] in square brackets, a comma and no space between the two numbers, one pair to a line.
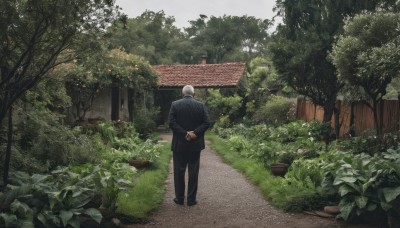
[367,55]
[262,81]
[229,38]
[301,46]
[32,35]
[153,36]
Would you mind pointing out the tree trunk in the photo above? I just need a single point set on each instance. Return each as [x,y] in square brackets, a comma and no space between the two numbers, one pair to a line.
[336,112]
[352,131]
[375,112]
[328,112]
[7,159]
[381,108]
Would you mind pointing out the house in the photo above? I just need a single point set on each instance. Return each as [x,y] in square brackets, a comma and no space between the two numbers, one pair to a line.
[115,103]
[224,75]
[200,76]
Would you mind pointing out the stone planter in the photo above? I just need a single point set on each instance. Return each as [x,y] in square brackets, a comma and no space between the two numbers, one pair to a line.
[279,169]
[333,210]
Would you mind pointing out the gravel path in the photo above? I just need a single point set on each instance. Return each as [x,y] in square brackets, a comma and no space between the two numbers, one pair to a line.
[227,199]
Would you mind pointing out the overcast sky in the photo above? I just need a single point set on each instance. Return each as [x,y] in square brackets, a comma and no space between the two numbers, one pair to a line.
[186,10]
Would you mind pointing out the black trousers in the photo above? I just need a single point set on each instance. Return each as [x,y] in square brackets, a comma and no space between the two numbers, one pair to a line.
[191,160]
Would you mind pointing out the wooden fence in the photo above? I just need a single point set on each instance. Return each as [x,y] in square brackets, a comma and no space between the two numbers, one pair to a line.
[363,116]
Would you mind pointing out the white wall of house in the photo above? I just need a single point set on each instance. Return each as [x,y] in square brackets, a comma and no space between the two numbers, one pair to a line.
[101,107]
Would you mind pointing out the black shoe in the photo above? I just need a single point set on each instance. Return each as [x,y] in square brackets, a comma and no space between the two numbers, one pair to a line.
[191,203]
[179,202]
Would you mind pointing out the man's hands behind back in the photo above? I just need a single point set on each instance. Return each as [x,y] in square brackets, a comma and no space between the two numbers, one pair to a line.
[190,135]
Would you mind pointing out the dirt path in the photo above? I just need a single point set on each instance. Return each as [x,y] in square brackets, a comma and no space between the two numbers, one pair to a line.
[227,199]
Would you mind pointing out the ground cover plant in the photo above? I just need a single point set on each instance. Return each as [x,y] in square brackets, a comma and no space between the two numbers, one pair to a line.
[148,191]
[79,192]
[363,179]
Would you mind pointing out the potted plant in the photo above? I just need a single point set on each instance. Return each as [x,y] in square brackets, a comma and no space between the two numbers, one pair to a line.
[145,155]
[281,166]
[279,169]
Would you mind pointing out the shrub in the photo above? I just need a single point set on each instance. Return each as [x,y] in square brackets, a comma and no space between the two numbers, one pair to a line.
[221,105]
[43,143]
[298,129]
[145,121]
[147,151]
[372,144]
[59,145]
[276,111]
[106,131]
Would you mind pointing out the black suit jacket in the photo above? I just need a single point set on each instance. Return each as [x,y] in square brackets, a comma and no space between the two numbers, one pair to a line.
[188,114]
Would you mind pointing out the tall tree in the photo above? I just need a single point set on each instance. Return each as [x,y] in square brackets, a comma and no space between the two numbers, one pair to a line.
[302,43]
[32,35]
[153,36]
[229,38]
[367,55]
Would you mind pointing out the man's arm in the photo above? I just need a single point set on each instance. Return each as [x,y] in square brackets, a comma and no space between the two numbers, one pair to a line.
[172,121]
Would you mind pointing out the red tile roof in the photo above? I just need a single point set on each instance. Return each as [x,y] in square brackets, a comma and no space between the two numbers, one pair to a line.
[200,75]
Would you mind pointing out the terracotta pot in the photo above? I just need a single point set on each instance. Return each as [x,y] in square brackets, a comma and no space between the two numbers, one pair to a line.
[139,164]
[279,169]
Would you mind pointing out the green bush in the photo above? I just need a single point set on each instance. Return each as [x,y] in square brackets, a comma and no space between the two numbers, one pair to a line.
[43,143]
[372,144]
[125,130]
[107,131]
[145,121]
[221,105]
[295,130]
[276,111]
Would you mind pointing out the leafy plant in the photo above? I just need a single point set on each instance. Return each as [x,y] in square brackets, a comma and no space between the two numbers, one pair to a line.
[62,198]
[287,157]
[372,144]
[364,183]
[302,169]
[107,131]
[147,151]
[39,199]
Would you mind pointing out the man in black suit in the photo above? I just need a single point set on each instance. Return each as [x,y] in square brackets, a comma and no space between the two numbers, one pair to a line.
[188,119]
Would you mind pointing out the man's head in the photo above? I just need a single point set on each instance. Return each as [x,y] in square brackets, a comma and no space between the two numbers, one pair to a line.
[188,90]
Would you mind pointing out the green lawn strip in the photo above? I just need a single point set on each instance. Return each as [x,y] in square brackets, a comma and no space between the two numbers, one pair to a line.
[280,192]
[148,190]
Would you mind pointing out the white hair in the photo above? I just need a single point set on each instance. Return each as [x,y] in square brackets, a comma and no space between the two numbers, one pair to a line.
[188,90]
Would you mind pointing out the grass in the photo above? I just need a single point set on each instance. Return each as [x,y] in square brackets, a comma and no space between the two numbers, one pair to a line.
[148,190]
[282,193]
